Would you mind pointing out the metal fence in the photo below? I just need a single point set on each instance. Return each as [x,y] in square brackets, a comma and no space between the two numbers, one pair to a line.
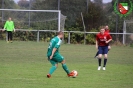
[46,35]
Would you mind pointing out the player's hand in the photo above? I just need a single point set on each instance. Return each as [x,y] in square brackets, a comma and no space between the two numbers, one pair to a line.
[3,30]
[51,57]
[107,42]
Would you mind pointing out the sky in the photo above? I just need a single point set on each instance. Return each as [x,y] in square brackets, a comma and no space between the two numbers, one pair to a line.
[104,1]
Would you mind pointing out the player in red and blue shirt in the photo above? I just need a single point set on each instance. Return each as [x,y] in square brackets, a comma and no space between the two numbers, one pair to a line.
[107,30]
[102,41]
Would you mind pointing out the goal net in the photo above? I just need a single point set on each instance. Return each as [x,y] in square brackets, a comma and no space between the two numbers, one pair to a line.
[25,20]
[128,32]
[34,19]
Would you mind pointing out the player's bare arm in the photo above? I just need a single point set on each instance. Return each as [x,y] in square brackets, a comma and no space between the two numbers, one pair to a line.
[53,51]
[96,44]
[108,40]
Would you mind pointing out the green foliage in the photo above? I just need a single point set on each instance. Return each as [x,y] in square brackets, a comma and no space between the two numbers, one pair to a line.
[2,35]
[66,37]
[72,9]
[44,5]
[91,38]
[131,45]
[8,4]
[48,39]
[24,4]
[24,35]
[93,18]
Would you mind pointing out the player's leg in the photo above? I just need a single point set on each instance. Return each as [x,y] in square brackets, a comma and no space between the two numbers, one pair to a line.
[105,57]
[61,59]
[105,61]
[53,68]
[100,57]
[64,66]
[109,47]
[96,54]
[11,37]
[99,61]
[8,36]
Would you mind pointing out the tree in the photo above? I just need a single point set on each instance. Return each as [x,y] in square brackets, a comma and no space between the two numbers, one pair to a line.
[44,5]
[98,2]
[6,4]
[69,8]
[23,3]
[72,9]
[94,18]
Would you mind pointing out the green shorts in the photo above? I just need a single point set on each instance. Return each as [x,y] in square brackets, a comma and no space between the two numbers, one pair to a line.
[56,59]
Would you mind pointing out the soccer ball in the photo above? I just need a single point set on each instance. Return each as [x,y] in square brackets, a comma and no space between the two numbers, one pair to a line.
[75,73]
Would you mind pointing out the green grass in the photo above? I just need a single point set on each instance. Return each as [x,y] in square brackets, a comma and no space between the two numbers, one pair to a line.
[25,65]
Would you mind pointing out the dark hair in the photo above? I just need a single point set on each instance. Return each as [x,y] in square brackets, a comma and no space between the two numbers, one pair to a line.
[59,33]
[101,27]
[105,27]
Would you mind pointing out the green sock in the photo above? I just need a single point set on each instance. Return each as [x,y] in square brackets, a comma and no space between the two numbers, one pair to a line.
[52,69]
[64,66]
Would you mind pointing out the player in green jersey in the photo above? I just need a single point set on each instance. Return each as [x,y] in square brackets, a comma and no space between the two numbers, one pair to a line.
[55,57]
[9,27]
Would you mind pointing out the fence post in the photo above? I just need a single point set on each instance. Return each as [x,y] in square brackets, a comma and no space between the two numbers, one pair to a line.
[37,35]
[124,31]
[69,37]
[84,38]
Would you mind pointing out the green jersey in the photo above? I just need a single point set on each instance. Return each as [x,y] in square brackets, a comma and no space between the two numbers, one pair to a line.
[54,43]
[9,26]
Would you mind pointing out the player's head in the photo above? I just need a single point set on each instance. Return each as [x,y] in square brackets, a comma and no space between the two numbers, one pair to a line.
[102,30]
[60,34]
[106,27]
[9,18]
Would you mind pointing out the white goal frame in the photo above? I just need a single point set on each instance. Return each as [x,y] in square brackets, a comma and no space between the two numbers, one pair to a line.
[57,11]
[125,30]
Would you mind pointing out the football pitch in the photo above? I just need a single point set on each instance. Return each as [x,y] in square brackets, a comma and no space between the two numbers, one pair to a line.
[25,65]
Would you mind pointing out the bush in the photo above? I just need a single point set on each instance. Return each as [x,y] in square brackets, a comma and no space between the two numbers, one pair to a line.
[91,38]
[131,45]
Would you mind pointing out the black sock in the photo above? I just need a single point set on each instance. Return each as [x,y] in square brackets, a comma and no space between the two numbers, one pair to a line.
[97,53]
[99,61]
[105,61]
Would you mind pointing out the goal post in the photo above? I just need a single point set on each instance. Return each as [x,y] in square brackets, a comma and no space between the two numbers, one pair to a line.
[127,31]
[49,18]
